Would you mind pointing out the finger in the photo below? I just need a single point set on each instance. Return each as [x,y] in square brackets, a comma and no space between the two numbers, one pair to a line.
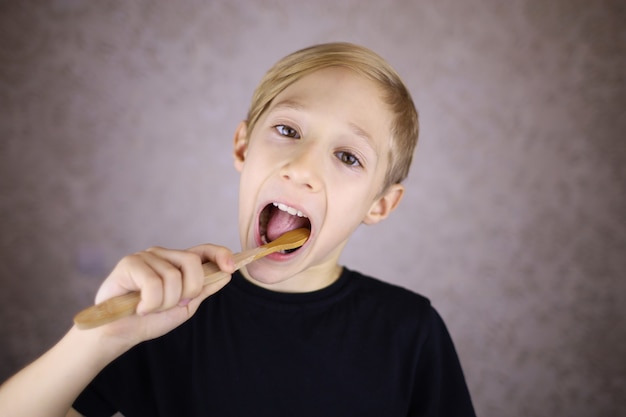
[165,277]
[157,279]
[130,274]
[220,255]
[190,273]
[160,284]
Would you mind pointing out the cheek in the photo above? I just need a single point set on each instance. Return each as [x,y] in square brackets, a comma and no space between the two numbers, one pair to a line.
[247,192]
[252,176]
[252,168]
[350,207]
[258,159]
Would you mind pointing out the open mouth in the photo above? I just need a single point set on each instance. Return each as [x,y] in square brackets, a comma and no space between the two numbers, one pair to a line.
[278,218]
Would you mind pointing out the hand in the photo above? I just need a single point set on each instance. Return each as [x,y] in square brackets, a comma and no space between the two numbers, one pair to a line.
[171,286]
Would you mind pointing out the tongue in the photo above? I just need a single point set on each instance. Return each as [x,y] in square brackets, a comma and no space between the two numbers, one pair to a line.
[281,222]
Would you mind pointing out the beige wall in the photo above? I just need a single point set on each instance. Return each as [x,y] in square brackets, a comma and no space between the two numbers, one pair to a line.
[116,121]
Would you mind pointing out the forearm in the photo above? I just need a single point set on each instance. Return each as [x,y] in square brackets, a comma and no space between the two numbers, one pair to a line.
[49,385]
[165,277]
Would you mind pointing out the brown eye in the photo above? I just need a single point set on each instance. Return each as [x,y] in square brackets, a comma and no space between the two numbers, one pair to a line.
[348,158]
[287,131]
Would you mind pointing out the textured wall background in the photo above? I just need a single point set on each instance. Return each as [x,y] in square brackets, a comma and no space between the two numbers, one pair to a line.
[116,121]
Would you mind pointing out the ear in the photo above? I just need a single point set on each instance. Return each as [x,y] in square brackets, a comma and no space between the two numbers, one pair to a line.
[384,205]
[240,145]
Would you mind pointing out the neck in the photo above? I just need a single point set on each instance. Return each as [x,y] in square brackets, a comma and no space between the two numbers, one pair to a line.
[311,279]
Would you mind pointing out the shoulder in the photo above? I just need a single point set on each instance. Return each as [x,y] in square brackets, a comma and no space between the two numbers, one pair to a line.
[368,285]
[388,298]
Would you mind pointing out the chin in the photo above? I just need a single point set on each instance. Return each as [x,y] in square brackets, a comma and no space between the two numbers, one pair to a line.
[265,274]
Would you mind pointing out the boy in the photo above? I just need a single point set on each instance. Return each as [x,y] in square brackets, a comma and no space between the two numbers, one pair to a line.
[328,139]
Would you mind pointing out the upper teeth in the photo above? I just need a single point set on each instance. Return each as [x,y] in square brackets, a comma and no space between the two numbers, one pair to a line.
[290,210]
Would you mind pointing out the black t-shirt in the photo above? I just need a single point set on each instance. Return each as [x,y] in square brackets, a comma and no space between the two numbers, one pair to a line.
[359,347]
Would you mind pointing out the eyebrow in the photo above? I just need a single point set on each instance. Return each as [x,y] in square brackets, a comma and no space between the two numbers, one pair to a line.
[290,104]
[362,134]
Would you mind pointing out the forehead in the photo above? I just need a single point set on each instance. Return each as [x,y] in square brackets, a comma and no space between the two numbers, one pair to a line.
[334,77]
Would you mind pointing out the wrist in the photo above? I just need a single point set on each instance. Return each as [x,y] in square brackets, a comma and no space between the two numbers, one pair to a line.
[98,346]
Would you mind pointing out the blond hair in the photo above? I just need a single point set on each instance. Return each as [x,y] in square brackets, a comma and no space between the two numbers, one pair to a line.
[405,126]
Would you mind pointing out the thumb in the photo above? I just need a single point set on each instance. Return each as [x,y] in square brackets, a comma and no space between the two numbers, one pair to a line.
[109,289]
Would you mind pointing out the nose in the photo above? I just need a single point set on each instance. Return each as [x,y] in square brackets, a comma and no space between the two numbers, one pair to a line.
[304,169]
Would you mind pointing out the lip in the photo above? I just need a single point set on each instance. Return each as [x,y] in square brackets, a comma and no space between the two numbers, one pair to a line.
[277,256]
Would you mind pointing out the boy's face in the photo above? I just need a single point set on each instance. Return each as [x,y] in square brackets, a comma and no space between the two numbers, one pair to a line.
[321,152]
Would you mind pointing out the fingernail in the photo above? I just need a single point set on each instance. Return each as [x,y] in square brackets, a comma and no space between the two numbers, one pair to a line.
[230,264]
[184,302]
